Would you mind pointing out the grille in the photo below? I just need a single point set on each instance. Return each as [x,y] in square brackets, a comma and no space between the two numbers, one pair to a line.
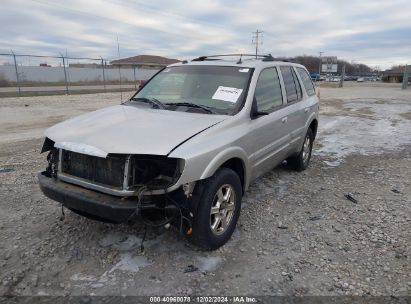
[106,171]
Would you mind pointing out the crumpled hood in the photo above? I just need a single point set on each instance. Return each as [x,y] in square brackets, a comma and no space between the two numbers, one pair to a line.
[129,130]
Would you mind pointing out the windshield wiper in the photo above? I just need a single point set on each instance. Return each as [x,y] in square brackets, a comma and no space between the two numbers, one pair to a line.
[155,102]
[191,105]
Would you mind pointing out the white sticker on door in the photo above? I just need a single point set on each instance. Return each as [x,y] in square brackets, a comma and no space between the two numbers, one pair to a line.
[227,94]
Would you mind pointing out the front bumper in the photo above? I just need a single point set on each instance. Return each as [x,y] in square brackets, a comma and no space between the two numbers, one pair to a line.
[89,203]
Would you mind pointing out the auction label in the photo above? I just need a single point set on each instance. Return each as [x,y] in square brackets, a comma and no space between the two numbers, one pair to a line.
[227,94]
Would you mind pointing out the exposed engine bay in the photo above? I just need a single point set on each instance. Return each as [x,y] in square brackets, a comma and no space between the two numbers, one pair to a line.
[132,176]
[116,171]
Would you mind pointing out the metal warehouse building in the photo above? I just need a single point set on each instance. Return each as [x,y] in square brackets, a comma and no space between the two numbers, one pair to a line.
[396,74]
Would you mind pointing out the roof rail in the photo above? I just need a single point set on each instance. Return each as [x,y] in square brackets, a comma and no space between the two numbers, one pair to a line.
[214,57]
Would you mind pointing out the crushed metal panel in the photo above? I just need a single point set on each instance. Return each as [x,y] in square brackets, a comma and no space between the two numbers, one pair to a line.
[81,148]
[47,145]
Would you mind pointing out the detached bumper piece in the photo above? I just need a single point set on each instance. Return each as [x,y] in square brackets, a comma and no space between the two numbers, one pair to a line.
[92,204]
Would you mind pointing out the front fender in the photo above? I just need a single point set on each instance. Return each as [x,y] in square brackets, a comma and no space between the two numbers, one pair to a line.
[222,157]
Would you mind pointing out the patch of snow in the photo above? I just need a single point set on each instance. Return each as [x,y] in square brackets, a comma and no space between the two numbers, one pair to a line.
[130,264]
[341,136]
[42,293]
[120,241]
[207,264]
[83,277]
[97,285]
[334,163]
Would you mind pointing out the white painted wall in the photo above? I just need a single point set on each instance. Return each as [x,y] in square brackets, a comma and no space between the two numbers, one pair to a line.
[56,74]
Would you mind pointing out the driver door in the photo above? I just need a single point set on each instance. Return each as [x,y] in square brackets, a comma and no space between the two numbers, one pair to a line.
[269,134]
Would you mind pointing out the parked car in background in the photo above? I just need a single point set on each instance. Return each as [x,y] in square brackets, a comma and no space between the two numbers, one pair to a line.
[185,148]
[315,77]
[360,79]
[350,78]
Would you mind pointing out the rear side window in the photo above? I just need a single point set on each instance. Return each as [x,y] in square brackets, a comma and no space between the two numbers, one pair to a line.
[268,91]
[308,84]
[292,85]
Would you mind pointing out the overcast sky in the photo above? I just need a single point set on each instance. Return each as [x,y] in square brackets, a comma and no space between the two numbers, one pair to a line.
[375,32]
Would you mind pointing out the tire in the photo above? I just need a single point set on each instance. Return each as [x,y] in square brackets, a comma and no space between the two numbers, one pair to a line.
[302,160]
[208,232]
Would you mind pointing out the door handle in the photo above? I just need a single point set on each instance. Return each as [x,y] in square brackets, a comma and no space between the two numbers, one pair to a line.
[306,110]
[284,119]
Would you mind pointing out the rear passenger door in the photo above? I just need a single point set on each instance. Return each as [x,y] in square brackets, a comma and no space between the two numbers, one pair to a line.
[295,106]
[268,138]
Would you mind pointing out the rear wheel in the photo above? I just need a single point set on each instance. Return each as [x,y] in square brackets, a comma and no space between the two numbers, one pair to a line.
[218,210]
[302,160]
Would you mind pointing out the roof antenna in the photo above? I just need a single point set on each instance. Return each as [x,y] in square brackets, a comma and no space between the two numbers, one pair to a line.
[239,61]
[119,70]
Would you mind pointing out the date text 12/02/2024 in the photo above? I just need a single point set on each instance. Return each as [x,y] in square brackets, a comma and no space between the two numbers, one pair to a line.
[203,299]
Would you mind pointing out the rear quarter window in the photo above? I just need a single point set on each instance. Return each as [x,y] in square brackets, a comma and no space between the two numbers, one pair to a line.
[308,84]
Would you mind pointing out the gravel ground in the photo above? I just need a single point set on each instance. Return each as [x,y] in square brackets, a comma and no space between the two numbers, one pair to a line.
[297,235]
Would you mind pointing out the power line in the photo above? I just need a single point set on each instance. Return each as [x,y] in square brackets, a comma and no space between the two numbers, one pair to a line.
[256,40]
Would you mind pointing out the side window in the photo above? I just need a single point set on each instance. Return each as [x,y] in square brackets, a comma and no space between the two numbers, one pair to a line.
[268,91]
[308,84]
[292,85]
[297,85]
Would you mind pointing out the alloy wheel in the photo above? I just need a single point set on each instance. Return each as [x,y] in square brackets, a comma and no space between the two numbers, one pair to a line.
[222,209]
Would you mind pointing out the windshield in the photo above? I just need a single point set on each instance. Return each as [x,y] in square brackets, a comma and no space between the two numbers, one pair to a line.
[218,88]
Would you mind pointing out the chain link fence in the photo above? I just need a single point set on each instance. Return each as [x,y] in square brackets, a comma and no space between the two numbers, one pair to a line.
[28,75]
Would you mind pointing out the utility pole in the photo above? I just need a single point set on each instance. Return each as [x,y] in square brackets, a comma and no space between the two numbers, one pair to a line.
[405,78]
[104,74]
[119,70]
[319,65]
[17,73]
[257,40]
[65,73]
[68,68]
[342,76]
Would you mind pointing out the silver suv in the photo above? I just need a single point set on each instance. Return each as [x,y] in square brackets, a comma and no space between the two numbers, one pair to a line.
[184,149]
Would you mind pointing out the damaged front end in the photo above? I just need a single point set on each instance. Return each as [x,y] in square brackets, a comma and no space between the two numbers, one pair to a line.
[117,187]
[117,174]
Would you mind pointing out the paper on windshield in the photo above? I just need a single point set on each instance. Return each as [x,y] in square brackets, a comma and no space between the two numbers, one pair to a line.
[227,94]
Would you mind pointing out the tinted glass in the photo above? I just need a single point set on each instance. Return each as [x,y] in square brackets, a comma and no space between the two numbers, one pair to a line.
[297,85]
[219,87]
[292,86]
[268,91]
[308,84]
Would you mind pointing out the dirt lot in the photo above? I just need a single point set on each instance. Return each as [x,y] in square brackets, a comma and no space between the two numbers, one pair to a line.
[297,235]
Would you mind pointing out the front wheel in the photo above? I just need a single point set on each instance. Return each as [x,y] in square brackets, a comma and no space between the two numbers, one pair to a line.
[301,161]
[218,210]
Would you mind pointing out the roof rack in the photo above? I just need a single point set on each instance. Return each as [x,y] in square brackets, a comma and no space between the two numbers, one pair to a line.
[267,57]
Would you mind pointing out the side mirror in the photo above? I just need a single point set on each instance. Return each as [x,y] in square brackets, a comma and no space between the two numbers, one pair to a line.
[254,110]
